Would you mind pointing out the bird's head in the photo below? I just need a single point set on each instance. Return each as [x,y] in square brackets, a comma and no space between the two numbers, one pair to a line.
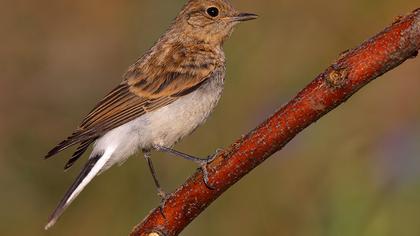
[211,21]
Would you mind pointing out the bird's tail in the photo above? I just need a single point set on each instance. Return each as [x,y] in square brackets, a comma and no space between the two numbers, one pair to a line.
[92,168]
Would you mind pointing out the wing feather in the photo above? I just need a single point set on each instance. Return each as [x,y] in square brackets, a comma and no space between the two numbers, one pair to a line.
[151,83]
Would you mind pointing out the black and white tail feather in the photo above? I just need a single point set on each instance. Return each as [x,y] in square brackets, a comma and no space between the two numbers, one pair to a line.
[93,167]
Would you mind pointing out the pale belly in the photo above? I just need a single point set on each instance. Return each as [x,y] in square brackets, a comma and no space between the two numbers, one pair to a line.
[165,126]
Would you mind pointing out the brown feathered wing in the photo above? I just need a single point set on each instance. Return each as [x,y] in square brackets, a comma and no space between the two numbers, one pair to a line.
[144,89]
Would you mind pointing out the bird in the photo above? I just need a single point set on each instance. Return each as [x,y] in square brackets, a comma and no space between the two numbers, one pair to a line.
[164,96]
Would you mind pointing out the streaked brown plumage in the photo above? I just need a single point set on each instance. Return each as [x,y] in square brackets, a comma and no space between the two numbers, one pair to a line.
[170,69]
[185,58]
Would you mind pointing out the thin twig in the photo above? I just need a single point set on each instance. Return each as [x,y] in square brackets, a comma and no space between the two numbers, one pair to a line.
[354,69]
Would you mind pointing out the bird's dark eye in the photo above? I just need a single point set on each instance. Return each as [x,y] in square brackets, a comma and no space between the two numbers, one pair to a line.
[213,11]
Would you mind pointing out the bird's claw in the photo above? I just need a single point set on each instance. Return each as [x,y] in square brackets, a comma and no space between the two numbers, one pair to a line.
[211,158]
[203,166]
[206,175]
[163,197]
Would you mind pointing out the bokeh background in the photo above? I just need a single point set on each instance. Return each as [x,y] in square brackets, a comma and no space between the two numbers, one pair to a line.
[355,172]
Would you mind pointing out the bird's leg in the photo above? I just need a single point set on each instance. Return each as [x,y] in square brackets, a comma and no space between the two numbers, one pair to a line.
[202,162]
[162,194]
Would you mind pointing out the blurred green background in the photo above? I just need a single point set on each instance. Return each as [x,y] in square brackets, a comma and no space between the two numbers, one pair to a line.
[355,172]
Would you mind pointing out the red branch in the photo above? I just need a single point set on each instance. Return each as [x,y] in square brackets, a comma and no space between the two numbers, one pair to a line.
[354,69]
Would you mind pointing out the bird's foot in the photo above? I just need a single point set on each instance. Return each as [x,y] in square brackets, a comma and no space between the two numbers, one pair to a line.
[203,165]
[163,197]
[202,162]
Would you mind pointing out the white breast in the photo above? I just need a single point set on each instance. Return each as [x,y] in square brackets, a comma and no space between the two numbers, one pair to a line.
[164,126]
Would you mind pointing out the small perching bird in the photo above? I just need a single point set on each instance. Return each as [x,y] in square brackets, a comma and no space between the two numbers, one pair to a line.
[163,97]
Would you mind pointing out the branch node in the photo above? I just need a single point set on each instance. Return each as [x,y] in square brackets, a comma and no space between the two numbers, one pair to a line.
[337,77]
[156,233]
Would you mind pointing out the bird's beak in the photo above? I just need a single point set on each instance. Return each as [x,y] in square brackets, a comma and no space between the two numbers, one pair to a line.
[245,17]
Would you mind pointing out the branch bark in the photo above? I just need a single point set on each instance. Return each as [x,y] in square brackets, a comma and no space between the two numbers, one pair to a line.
[353,69]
